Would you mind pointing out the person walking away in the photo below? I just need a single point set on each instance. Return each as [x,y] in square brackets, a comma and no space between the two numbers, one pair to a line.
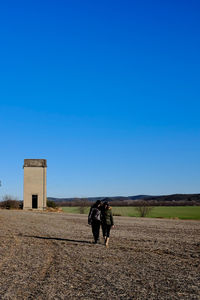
[107,221]
[94,219]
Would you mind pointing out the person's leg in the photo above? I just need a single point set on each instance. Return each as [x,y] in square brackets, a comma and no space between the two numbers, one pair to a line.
[104,231]
[96,228]
[108,230]
[108,227]
[107,241]
[93,230]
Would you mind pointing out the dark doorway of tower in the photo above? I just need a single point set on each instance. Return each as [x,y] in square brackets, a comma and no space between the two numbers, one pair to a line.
[34,201]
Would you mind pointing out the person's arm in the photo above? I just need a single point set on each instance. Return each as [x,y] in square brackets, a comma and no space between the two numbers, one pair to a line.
[90,216]
[111,218]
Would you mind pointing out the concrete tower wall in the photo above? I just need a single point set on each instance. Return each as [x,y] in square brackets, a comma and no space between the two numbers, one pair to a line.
[35,183]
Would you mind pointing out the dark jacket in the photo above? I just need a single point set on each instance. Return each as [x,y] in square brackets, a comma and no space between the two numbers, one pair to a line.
[94,215]
[107,217]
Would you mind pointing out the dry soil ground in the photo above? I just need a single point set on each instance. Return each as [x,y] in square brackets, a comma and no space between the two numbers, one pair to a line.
[51,256]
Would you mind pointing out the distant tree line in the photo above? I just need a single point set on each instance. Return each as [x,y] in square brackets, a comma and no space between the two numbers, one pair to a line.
[78,202]
[83,202]
[154,203]
[9,202]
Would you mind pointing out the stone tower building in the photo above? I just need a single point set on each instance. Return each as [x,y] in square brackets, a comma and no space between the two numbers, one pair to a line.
[35,184]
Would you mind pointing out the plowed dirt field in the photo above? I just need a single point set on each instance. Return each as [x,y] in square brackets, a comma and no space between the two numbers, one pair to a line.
[51,256]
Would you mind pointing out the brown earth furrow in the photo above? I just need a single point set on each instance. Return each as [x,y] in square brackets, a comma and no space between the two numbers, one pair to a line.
[50,256]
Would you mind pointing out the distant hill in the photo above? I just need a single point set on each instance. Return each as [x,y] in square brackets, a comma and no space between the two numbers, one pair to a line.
[175,197]
[94,199]
[130,199]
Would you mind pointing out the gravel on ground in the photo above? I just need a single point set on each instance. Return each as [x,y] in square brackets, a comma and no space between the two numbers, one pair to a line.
[46,255]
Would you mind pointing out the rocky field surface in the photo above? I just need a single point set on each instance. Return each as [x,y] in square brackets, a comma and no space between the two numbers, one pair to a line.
[51,256]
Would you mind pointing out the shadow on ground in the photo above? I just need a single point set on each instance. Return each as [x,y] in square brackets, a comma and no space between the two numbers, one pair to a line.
[56,239]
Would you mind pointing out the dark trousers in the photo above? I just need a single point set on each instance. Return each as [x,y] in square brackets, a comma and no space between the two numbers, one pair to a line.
[106,230]
[95,230]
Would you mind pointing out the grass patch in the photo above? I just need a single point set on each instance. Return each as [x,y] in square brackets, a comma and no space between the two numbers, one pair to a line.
[180,212]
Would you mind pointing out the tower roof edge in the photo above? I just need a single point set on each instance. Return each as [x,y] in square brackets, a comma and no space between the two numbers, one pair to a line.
[35,163]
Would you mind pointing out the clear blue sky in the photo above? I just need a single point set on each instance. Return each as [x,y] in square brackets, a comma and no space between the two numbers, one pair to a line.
[107,91]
